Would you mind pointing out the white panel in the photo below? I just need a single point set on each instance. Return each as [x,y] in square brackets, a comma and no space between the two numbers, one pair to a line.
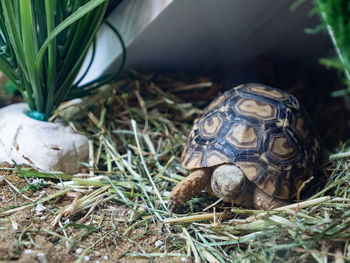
[131,17]
[206,34]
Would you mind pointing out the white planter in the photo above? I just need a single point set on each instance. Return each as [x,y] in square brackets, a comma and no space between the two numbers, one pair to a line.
[46,145]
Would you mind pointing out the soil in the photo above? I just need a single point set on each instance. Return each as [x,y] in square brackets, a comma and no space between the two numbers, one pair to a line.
[25,235]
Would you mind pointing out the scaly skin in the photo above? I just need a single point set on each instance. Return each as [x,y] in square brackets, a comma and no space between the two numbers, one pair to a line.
[188,188]
[227,182]
[263,201]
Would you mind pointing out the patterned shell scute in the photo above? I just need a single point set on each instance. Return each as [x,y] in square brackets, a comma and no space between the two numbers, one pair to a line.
[262,130]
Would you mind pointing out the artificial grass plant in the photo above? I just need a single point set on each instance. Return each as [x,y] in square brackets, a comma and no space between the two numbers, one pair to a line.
[43,44]
[335,18]
[335,15]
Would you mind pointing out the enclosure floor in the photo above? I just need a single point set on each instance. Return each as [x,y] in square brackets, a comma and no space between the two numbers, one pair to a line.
[24,228]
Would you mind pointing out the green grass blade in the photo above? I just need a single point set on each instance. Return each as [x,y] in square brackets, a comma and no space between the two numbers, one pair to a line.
[9,71]
[13,32]
[83,10]
[30,50]
[75,47]
[52,54]
[93,52]
[87,88]
[66,86]
[81,40]
[7,50]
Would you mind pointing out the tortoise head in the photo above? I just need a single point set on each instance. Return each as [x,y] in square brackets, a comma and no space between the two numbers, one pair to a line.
[229,183]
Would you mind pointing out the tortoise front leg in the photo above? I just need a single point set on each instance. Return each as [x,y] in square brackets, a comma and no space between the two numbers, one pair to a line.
[262,200]
[188,188]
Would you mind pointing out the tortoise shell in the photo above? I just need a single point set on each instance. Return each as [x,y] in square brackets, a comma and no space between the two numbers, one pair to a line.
[262,130]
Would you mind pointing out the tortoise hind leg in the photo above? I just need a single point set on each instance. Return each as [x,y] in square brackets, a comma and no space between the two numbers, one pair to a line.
[262,200]
[186,189]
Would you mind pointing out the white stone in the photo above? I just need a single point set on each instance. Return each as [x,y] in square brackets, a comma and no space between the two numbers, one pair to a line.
[28,251]
[158,243]
[14,225]
[78,250]
[42,193]
[47,145]
[39,209]
[41,257]
[36,180]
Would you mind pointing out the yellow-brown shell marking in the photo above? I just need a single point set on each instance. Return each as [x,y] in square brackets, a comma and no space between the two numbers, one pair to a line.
[301,129]
[257,109]
[216,158]
[281,147]
[243,136]
[191,160]
[250,169]
[267,92]
[211,126]
[215,103]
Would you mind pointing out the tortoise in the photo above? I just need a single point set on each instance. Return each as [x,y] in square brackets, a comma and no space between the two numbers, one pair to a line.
[253,146]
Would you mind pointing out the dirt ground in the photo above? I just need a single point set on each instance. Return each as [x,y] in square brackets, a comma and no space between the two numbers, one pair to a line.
[26,236]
